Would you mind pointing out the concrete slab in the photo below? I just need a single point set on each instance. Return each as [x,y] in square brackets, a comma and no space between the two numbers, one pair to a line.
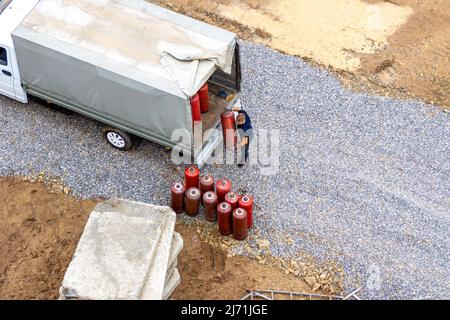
[172,284]
[116,251]
[153,288]
[171,270]
[172,267]
[177,246]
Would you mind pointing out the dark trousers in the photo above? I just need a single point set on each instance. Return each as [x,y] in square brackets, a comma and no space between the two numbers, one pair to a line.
[244,153]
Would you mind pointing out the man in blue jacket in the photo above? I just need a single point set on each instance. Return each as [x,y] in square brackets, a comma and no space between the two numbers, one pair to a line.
[245,134]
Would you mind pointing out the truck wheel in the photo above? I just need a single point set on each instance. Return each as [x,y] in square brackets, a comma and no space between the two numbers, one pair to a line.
[118,139]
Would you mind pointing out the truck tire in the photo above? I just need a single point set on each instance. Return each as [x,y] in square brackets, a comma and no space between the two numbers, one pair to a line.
[118,139]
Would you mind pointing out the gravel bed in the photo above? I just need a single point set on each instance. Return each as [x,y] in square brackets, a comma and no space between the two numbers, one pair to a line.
[363,180]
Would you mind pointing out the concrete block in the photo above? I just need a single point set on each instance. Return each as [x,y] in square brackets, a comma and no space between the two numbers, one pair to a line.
[177,246]
[117,250]
[171,270]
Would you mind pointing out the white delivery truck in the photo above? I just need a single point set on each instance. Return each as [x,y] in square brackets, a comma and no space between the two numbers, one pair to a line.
[127,63]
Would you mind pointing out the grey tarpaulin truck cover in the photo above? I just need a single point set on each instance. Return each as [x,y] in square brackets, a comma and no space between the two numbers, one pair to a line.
[125,62]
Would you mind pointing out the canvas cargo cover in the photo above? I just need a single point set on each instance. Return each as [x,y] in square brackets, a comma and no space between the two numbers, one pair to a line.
[133,38]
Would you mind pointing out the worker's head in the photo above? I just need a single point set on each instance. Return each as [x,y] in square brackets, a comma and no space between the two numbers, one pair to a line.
[240,119]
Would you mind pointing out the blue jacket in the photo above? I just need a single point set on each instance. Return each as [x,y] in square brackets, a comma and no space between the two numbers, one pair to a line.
[247,125]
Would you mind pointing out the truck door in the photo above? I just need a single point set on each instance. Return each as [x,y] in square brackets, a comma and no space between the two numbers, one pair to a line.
[6,74]
[234,79]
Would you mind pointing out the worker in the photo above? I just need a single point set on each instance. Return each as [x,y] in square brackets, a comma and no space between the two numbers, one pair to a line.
[245,134]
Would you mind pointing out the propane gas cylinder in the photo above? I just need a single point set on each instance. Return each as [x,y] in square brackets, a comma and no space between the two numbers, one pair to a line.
[224,216]
[195,108]
[192,177]
[222,188]
[229,128]
[233,199]
[192,202]
[177,197]
[206,184]
[246,202]
[240,224]
[204,98]
[210,202]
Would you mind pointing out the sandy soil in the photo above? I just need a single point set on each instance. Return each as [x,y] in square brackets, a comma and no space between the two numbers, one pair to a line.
[392,47]
[38,236]
[331,32]
[417,57]
[41,227]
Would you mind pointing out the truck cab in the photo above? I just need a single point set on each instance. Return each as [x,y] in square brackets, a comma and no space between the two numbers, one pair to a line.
[12,12]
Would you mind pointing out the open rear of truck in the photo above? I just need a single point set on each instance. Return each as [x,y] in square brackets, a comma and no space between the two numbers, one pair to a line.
[219,83]
[131,65]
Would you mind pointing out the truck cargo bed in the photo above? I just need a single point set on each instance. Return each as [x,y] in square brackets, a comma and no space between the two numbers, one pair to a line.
[217,105]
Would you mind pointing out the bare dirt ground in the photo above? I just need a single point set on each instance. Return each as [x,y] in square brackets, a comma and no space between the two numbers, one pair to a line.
[393,47]
[38,236]
[41,227]
[208,273]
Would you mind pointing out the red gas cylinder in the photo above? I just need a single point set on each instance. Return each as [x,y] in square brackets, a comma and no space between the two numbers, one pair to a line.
[229,128]
[222,188]
[210,201]
[192,177]
[233,199]
[224,216]
[246,202]
[204,98]
[195,108]
[177,197]
[240,224]
[206,184]
[192,202]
